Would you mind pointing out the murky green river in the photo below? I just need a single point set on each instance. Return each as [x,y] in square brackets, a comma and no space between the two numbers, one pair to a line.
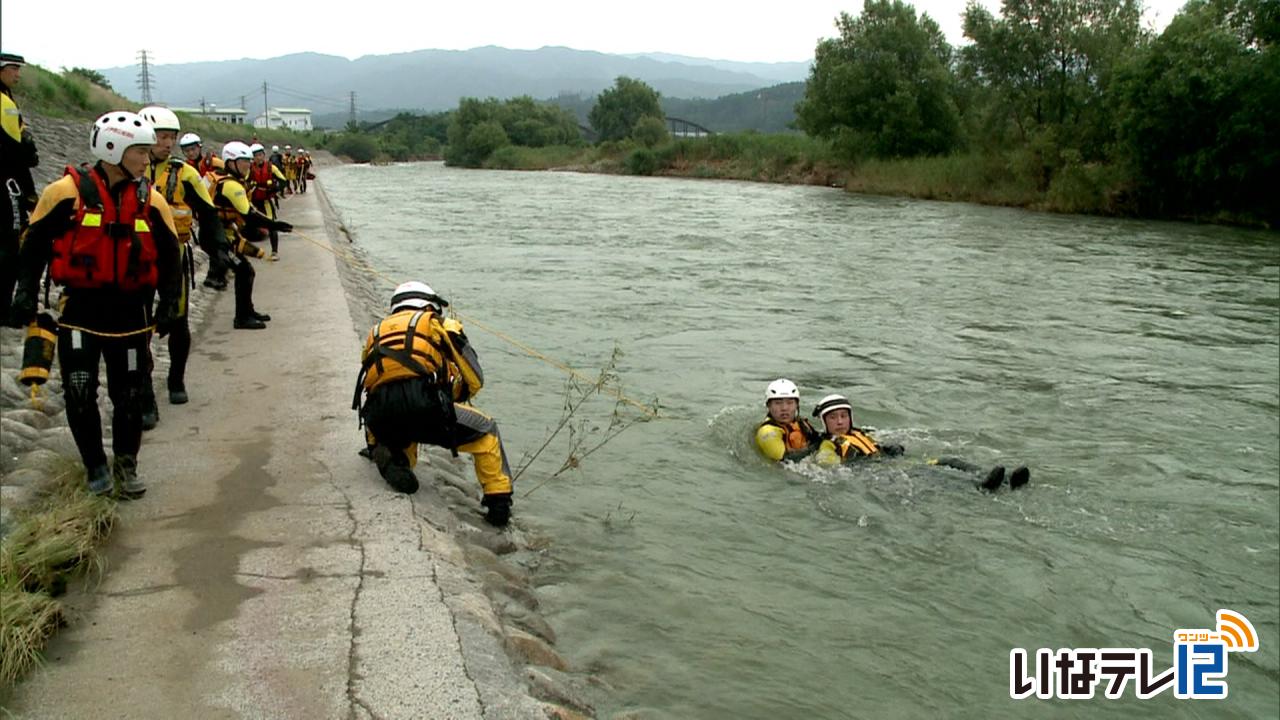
[1134,366]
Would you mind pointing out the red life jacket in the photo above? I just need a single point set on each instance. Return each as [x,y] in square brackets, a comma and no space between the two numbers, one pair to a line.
[263,181]
[109,246]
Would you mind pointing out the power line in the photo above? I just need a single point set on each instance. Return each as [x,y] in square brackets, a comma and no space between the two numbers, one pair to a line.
[310,97]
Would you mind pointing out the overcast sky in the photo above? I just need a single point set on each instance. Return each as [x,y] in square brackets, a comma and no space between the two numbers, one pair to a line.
[71,33]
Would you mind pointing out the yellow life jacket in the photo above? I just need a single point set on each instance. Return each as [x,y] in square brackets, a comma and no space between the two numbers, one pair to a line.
[230,216]
[853,444]
[404,345]
[233,222]
[416,343]
[170,178]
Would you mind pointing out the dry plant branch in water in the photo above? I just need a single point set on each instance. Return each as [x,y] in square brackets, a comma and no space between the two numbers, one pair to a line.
[576,394]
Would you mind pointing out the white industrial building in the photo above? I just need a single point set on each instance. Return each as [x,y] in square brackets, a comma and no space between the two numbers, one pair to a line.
[234,116]
[287,118]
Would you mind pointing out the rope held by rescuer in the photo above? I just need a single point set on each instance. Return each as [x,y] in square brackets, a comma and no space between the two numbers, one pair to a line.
[358,264]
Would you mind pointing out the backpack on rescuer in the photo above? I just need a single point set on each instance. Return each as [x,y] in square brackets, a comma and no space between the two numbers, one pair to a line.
[109,246]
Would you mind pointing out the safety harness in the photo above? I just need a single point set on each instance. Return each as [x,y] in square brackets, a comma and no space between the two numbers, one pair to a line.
[440,382]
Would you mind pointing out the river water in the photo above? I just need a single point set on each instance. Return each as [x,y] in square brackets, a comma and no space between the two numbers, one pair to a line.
[1134,366]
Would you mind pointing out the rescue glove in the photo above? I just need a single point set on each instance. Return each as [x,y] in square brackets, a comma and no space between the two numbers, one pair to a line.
[892,450]
[22,311]
[283,226]
[499,505]
[166,317]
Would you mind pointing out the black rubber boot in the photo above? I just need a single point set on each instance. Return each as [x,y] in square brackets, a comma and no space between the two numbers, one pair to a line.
[99,478]
[124,468]
[499,505]
[994,478]
[394,470]
[249,323]
[150,411]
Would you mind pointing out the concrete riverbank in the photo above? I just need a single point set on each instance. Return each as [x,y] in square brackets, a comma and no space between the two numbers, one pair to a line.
[269,572]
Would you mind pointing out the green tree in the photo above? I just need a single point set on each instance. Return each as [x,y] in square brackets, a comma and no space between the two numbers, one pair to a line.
[1197,112]
[518,121]
[883,88]
[650,131]
[1050,61]
[357,146]
[620,107]
[92,76]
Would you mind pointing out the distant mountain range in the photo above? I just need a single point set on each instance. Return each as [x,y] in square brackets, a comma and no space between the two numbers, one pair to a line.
[432,80]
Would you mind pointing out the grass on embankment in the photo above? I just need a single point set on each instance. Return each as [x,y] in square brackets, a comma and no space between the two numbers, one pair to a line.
[1008,178]
[53,540]
[71,96]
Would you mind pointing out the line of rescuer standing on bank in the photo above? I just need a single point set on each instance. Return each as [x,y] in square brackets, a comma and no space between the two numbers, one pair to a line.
[116,237]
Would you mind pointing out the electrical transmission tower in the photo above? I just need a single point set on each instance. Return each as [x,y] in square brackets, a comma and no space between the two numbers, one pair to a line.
[145,81]
[352,120]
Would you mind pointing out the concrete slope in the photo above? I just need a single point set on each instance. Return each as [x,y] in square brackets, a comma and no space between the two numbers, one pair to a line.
[268,572]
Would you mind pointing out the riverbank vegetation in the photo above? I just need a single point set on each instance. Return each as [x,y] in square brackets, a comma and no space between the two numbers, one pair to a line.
[81,94]
[51,541]
[1068,107]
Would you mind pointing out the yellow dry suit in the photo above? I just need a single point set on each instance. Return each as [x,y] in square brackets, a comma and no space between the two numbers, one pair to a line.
[790,441]
[850,446]
[232,201]
[416,374]
[175,179]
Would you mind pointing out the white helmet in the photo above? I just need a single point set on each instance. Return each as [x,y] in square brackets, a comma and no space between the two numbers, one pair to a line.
[189,139]
[275,148]
[301,151]
[236,150]
[257,148]
[781,388]
[288,147]
[831,402]
[160,118]
[416,295]
[117,131]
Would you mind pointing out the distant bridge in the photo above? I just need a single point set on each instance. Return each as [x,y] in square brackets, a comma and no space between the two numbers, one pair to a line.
[684,128]
[678,127]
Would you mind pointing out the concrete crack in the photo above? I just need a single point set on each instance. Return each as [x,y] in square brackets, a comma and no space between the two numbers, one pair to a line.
[353,655]
[139,591]
[453,616]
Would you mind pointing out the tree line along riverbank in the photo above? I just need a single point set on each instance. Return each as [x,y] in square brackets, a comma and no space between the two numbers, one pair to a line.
[1073,108]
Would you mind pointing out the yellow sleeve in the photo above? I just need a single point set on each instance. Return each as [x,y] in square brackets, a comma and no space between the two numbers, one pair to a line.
[10,118]
[276,171]
[470,377]
[191,175]
[158,202]
[827,454]
[57,191]
[234,192]
[771,442]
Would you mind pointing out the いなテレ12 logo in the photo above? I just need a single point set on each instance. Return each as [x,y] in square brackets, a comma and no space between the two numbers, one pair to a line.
[1199,669]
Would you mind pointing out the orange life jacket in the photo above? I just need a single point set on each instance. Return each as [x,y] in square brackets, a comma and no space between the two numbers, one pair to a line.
[109,246]
[263,181]
[799,433]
